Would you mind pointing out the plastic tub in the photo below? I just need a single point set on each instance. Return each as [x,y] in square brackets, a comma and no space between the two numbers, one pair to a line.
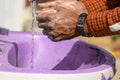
[65,60]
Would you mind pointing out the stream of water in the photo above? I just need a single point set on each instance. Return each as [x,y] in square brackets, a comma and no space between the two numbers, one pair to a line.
[33,5]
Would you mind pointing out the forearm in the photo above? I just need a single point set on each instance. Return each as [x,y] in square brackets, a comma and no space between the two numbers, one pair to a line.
[99,23]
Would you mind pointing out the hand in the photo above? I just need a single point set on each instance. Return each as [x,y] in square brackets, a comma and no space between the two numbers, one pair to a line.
[73,5]
[59,18]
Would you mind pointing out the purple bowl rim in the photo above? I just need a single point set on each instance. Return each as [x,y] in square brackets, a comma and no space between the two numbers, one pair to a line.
[23,70]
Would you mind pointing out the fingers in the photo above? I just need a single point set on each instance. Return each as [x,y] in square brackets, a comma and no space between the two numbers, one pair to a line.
[61,37]
[45,15]
[52,35]
[47,25]
[55,36]
[43,25]
[46,10]
[64,37]
[42,18]
[48,4]
[46,31]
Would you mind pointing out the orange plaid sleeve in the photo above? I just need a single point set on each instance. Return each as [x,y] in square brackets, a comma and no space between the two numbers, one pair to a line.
[95,5]
[101,16]
[99,22]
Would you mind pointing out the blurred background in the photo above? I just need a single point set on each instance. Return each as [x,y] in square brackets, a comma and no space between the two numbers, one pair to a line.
[16,16]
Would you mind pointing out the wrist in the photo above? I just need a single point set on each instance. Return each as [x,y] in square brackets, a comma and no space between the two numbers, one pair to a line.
[82,28]
[86,28]
[82,8]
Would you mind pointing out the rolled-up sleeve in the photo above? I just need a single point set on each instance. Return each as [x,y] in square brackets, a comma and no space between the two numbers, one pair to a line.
[103,18]
[104,23]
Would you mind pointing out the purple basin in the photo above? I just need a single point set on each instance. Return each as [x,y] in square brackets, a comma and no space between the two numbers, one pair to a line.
[65,57]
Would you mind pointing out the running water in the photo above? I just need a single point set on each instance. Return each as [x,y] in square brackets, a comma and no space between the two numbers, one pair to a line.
[33,5]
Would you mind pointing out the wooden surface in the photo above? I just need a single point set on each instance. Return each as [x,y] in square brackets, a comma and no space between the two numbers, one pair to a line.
[103,42]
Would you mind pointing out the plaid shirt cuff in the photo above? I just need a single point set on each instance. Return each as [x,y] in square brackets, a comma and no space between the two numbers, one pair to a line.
[100,18]
[99,22]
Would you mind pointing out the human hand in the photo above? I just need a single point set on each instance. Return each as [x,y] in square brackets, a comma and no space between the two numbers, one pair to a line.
[59,18]
[73,5]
